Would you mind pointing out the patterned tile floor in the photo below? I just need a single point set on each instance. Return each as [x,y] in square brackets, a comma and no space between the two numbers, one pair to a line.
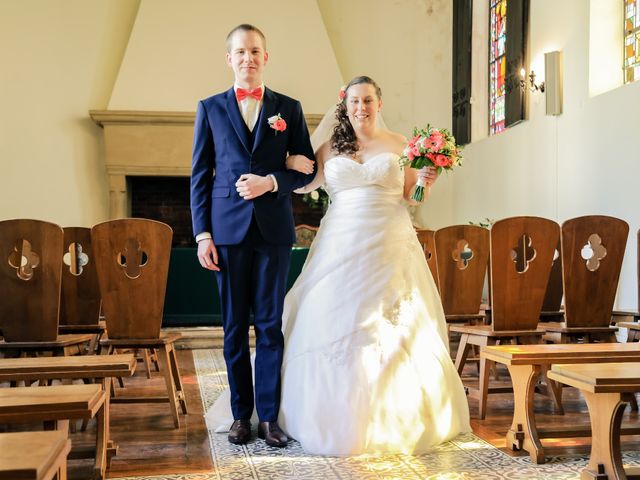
[466,457]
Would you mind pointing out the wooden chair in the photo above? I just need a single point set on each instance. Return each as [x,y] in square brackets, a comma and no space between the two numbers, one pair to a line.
[427,240]
[634,315]
[462,259]
[80,295]
[34,455]
[592,253]
[305,235]
[30,273]
[132,257]
[552,303]
[519,279]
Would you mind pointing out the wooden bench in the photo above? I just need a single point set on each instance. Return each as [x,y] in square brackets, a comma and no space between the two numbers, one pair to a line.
[606,387]
[34,455]
[99,367]
[525,362]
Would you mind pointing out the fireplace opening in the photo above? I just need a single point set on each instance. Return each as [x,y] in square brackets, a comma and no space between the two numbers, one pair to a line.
[165,199]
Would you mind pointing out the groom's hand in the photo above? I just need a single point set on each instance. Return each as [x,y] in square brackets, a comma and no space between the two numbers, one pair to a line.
[208,254]
[250,186]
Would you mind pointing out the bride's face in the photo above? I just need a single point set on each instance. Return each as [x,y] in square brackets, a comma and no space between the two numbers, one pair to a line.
[363,105]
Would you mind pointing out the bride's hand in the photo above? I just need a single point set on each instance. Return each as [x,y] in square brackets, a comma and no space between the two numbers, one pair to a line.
[300,163]
[428,175]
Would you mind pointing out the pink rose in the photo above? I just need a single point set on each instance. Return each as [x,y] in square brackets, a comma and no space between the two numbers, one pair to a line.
[280,125]
[441,160]
[416,150]
[410,155]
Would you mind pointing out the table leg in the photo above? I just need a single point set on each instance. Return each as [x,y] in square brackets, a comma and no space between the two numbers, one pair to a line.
[523,433]
[605,410]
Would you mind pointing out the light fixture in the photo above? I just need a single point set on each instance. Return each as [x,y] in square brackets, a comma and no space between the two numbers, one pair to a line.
[531,82]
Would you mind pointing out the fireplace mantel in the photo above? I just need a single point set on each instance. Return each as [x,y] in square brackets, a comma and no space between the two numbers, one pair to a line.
[147,143]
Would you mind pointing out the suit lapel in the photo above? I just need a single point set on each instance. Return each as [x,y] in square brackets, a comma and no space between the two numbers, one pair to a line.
[269,106]
[236,119]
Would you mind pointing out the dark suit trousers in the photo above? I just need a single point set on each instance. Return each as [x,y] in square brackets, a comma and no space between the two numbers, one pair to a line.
[253,277]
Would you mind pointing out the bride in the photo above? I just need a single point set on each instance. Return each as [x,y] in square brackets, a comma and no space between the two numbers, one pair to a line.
[366,366]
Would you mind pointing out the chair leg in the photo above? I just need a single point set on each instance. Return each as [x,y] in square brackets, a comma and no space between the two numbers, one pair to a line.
[485,372]
[153,355]
[163,354]
[463,352]
[175,371]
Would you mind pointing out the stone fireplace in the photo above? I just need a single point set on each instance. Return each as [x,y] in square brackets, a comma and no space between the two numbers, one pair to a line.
[148,160]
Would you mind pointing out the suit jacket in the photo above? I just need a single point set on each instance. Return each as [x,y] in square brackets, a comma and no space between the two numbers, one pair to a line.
[224,149]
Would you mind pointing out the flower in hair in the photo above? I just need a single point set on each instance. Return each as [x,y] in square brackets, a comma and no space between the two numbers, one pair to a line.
[343,92]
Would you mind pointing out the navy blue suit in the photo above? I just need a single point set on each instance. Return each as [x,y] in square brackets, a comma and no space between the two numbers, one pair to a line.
[253,237]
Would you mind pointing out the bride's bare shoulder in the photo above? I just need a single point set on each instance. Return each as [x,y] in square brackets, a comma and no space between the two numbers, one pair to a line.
[396,140]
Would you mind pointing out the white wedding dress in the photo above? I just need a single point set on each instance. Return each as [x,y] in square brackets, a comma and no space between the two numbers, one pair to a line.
[366,365]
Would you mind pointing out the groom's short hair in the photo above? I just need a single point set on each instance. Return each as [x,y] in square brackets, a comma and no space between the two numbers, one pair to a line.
[245,27]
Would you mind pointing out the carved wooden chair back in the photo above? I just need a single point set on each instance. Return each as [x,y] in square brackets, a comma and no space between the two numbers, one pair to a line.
[132,259]
[553,295]
[592,252]
[427,240]
[80,298]
[30,280]
[305,235]
[521,259]
[463,257]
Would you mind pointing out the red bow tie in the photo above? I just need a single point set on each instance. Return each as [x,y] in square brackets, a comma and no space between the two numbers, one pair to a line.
[242,93]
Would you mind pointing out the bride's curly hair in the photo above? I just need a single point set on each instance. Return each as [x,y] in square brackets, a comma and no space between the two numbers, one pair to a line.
[344,140]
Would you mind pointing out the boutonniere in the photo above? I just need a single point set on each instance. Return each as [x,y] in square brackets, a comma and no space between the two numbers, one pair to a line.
[277,123]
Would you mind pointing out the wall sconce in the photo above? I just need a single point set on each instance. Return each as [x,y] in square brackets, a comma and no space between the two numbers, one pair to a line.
[529,81]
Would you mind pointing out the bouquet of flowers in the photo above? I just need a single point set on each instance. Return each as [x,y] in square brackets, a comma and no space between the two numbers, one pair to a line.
[317,199]
[430,147]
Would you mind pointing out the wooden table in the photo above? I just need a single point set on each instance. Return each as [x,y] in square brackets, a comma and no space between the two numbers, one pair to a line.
[34,455]
[525,363]
[606,387]
[99,367]
[55,406]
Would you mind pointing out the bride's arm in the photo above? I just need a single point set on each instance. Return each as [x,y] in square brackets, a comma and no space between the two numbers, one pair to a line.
[318,180]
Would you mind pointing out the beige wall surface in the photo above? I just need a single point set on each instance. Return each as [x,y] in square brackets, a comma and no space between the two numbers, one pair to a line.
[59,59]
[176,54]
[584,162]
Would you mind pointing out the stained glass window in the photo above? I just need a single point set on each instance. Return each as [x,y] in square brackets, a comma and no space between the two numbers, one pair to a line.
[497,65]
[631,40]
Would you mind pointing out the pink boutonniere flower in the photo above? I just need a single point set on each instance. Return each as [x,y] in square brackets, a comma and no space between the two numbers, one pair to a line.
[277,123]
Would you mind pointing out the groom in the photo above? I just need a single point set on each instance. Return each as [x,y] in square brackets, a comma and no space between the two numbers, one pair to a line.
[243,222]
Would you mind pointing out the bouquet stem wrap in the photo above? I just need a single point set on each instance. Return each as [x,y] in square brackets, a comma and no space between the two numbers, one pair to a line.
[418,193]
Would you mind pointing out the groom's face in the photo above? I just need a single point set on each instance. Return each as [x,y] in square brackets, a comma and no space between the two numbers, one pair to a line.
[247,58]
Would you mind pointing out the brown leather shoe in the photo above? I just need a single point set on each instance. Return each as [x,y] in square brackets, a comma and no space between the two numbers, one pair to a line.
[240,432]
[272,434]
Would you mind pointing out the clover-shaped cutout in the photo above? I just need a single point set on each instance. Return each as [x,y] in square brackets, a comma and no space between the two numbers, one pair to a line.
[593,252]
[24,260]
[523,253]
[75,259]
[462,255]
[428,254]
[132,259]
